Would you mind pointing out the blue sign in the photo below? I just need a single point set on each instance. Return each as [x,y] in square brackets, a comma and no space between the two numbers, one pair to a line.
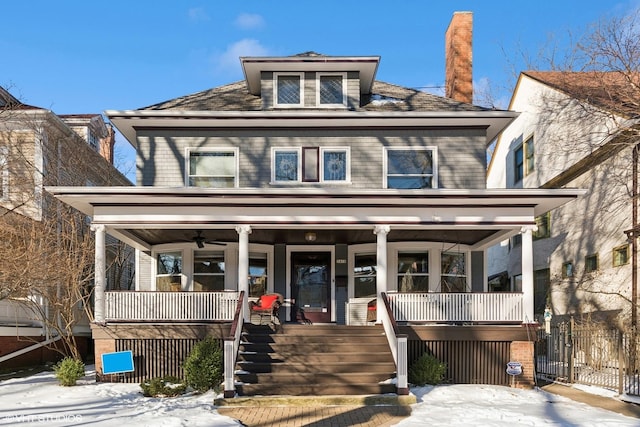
[118,362]
[514,368]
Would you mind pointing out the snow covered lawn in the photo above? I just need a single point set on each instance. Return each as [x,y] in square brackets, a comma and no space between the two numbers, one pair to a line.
[39,400]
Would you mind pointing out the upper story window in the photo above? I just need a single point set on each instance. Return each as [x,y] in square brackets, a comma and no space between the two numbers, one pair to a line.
[4,173]
[567,269]
[311,164]
[331,90]
[620,255]
[410,168]
[216,168]
[524,162]
[93,140]
[591,263]
[288,89]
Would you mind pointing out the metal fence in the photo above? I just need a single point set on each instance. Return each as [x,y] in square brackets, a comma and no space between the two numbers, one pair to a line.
[589,354]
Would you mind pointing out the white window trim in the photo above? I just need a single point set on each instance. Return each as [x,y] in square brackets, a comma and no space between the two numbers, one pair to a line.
[154,266]
[344,90]
[434,158]
[190,150]
[321,180]
[275,90]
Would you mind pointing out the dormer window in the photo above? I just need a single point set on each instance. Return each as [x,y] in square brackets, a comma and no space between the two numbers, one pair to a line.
[288,88]
[331,90]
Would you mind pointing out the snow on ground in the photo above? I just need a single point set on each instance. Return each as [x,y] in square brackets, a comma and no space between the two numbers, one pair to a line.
[39,400]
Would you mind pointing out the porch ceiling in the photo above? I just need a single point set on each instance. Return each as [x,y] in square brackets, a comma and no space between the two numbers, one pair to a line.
[297,236]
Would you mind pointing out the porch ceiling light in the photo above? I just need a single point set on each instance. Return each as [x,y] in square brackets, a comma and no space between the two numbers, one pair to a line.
[310,236]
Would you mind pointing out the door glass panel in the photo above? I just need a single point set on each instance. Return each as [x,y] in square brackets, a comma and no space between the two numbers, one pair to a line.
[311,286]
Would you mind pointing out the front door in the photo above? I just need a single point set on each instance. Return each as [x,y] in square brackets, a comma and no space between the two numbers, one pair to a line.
[311,286]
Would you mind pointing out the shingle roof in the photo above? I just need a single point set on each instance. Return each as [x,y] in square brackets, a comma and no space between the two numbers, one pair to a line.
[384,97]
[615,91]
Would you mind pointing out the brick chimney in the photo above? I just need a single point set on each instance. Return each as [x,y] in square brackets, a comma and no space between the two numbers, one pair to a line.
[107,143]
[458,58]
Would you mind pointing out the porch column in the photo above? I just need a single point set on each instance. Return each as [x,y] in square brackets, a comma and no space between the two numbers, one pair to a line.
[381,232]
[100,273]
[243,266]
[527,272]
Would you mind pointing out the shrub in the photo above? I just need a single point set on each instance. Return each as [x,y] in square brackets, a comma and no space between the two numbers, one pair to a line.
[68,371]
[427,370]
[167,386]
[204,367]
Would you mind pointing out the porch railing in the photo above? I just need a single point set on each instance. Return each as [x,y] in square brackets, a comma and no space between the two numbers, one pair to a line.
[170,306]
[457,307]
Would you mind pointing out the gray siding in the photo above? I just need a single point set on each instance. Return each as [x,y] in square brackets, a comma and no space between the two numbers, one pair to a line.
[461,155]
[144,271]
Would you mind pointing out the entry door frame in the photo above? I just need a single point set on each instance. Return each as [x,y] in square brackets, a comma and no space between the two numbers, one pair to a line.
[332,280]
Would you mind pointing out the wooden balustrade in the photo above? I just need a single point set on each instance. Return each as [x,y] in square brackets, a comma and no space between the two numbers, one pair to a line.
[170,306]
[457,307]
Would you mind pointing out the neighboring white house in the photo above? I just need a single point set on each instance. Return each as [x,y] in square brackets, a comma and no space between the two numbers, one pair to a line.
[568,136]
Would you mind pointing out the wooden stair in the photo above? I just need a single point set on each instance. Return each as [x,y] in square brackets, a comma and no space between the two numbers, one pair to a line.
[305,360]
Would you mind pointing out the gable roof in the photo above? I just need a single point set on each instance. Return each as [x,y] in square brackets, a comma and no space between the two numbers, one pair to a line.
[613,91]
[10,102]
[383,97]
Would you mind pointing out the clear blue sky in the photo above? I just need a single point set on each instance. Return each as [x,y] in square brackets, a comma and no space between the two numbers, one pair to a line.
[74,56]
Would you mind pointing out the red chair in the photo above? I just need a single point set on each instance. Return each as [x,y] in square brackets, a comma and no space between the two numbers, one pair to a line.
[268,305]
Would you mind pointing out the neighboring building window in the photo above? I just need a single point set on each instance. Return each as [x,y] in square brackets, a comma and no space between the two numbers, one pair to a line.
[169,271]
[410,168]
[518,166]
[413,272]
[93,140]
[591,263]
[208,271]
[289,90]
[541,284]
[544,226]
[311,164]
[499,282]
[620,255]
[516,240]
[331,90]
[212,168]
[364,276]
[453,272]
[529,161]
[567,269]
[4,173]
[258,274]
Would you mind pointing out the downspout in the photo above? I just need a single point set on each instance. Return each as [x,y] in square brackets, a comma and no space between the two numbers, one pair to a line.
[634,239]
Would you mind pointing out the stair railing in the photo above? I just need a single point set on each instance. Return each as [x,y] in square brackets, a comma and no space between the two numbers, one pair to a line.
[397,344]
[231,346]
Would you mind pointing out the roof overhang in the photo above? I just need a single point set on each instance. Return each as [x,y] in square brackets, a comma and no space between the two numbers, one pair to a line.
[366,66]
[134,208]
[129,121]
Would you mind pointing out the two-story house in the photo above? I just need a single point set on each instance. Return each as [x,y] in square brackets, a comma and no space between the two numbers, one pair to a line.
[37,149]
[342,193]
[571,133]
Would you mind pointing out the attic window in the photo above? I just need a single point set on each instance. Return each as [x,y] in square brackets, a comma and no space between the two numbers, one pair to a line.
[331,90]
[288,88]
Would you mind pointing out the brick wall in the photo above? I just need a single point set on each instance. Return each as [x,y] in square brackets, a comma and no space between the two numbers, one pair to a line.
[523,352]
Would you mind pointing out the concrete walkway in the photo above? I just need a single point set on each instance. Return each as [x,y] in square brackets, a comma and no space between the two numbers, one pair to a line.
[608,403]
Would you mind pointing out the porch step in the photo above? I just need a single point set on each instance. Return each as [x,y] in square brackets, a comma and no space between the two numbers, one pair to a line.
[305,360]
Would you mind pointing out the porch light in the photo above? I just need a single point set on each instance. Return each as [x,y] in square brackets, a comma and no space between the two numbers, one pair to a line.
[310,236]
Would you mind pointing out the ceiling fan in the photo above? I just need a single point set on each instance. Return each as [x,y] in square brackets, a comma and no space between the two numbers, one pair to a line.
[201,240]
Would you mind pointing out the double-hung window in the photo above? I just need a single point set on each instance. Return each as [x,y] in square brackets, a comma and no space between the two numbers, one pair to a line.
[410,168]
[208,271]
[212,167]
[364,275]
[169,271]
[524,160]
[413,272]
[529,153]
[258,274]
[453,272]
[620,255]
[331,90]
[289,90]
[311,164]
